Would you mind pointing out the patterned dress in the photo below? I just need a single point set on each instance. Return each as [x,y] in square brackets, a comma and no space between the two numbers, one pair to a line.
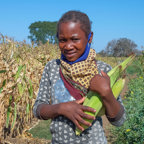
[53,91]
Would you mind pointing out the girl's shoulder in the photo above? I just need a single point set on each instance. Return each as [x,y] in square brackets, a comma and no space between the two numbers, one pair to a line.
[53,63]
[103,66]
[52,66]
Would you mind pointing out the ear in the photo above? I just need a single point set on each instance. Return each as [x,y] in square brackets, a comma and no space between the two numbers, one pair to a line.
[90,41]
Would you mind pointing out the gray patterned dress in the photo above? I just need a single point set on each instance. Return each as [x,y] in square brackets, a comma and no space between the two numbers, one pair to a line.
[53,91]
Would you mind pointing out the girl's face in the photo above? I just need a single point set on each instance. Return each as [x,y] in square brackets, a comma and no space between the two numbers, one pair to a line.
[72,40]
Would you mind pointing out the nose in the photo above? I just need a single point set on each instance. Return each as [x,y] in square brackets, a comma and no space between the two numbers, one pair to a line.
[69,45]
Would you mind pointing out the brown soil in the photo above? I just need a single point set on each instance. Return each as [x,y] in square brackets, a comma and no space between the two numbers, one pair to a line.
[25,138]
[25,141]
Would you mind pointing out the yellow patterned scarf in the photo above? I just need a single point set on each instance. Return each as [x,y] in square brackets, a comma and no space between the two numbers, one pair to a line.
[81,72]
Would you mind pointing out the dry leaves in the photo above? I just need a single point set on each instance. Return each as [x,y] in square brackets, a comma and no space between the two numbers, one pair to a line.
[21,67]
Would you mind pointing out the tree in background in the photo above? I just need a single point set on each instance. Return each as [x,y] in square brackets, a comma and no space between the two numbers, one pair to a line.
[43,32]
[120,47]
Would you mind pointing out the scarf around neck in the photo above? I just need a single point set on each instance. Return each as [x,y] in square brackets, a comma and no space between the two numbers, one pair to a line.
[79,74]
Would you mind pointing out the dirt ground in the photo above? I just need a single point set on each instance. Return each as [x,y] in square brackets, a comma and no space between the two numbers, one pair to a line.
[28,139]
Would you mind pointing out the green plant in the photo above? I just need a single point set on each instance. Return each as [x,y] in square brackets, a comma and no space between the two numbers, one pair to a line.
[132,132]
[41,130]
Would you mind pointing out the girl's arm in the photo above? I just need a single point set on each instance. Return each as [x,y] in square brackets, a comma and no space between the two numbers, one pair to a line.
[73,110]
[101,84]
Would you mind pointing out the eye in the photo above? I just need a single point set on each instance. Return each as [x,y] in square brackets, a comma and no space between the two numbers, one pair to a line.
[75,39]
[62,40]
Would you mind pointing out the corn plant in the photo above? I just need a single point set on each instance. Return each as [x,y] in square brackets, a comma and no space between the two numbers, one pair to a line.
[21,67]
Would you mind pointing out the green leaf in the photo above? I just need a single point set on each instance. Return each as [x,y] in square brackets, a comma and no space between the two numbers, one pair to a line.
[10,100]
[27,108]
[4,82]
[27,111]
[1,89]
[8,112]
[30,90]
[24,71]
[2,71]
[15,115]
[21,89]
[8,116]
[18,72]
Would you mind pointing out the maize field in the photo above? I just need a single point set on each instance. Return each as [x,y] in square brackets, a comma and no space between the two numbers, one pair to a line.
[21,67]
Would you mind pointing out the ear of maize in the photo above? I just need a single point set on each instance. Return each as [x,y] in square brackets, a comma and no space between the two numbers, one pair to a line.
[93,99]
[116,72]
[116,89]
[96,101]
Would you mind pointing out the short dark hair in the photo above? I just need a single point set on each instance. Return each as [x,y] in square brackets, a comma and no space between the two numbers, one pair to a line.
[76,16]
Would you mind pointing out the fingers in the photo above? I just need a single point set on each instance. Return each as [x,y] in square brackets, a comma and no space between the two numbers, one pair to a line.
[87,116]
[89,109]
[80,122]
[78,125]
[76,113]
[80,101]
[82,119]
[83,123]
[90,115]
[104,74]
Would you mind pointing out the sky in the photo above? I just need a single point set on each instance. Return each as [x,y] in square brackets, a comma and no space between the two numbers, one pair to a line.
[111,19]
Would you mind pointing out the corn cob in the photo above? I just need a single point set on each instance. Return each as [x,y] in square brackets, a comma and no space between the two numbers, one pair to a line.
[100,110]
[116,72]
[94,100]
[116,89]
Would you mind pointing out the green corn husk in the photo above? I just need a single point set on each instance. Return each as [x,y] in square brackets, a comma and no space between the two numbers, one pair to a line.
[116,89]
[116,72]
[94,100]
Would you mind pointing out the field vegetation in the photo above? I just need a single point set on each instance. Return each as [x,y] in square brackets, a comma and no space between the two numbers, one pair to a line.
[132,132]
[21,67]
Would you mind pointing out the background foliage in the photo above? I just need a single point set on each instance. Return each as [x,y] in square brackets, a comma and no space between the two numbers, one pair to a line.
[132,132]
[21,67]
[120,47]
[41,32]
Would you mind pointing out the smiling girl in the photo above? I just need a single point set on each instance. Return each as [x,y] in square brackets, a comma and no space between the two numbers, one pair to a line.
[66,81]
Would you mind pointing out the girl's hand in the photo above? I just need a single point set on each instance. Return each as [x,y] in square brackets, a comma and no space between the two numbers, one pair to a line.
[75,112]
[101,84]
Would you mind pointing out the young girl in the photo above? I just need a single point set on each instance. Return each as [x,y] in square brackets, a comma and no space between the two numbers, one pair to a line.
[65,83]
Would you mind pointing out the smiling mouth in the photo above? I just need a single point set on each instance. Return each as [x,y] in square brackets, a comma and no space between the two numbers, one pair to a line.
[71,54]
